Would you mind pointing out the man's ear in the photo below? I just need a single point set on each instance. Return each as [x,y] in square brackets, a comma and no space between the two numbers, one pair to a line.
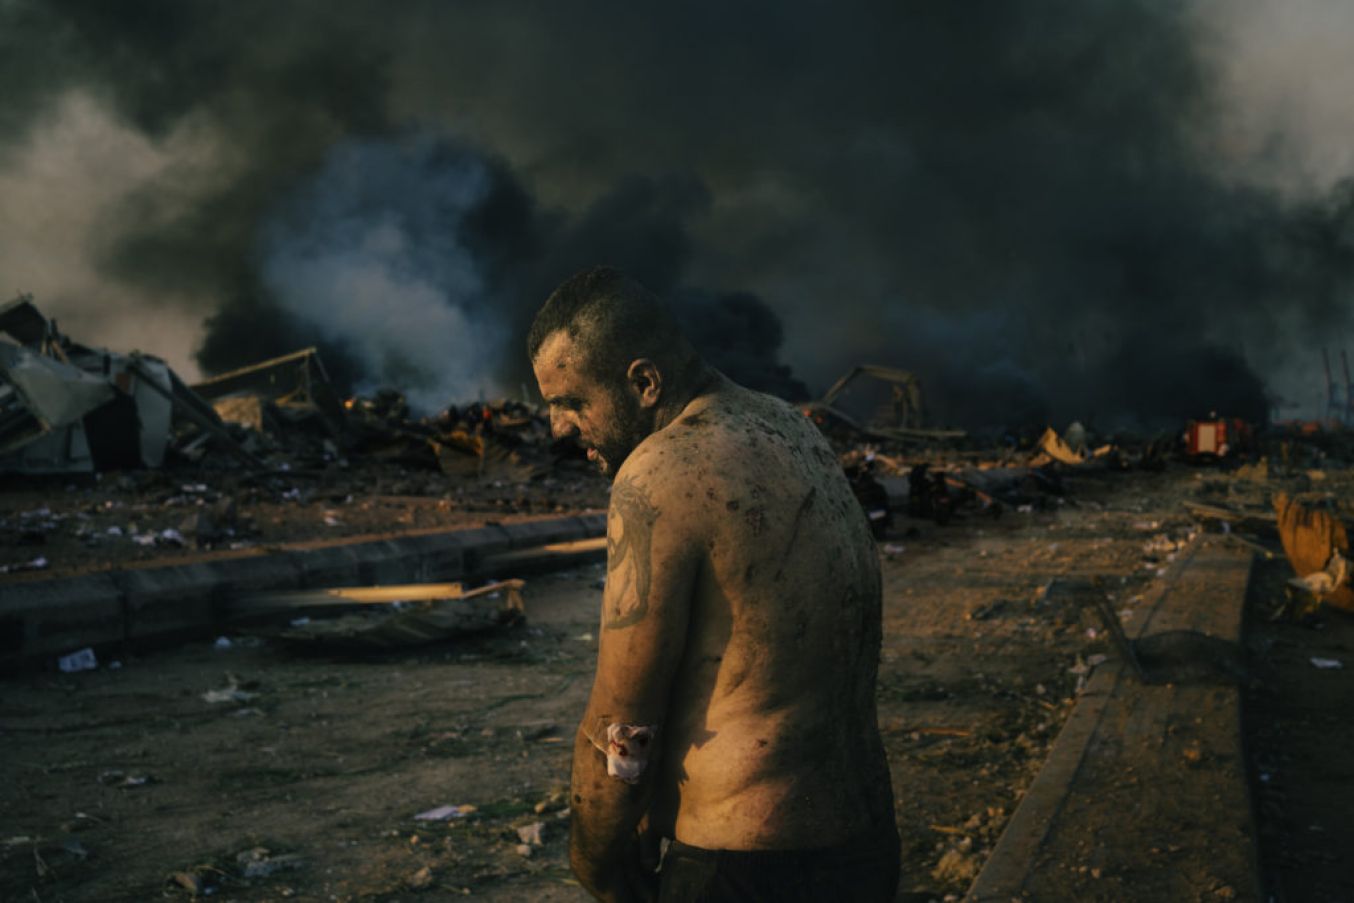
[645,380]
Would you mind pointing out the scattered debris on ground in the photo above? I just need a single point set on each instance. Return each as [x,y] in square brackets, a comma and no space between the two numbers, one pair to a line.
[430,767]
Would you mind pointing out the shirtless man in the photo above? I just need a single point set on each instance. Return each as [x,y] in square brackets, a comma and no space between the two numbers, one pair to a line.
[733,708]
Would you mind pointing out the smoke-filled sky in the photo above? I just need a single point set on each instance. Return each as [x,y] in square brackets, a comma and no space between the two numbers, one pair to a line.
[1122,211]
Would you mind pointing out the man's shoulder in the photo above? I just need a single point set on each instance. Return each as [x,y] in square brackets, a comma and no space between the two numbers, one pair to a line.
[730,413]
[661,464]
[659,481]
[683,462]
[756,438]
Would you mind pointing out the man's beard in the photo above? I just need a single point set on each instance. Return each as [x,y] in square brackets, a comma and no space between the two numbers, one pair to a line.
[628,432]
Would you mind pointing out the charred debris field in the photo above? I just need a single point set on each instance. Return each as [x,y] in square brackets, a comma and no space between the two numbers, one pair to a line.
[245,766]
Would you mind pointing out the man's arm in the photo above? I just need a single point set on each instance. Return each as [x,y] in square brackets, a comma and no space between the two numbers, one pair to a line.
[651,567]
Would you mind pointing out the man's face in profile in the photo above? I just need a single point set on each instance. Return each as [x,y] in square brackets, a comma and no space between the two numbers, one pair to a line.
[607,421]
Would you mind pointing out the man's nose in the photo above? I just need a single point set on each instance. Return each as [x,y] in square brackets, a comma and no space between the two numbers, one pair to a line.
[562,425]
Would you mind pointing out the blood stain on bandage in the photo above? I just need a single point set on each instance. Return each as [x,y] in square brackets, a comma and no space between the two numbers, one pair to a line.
[627,750]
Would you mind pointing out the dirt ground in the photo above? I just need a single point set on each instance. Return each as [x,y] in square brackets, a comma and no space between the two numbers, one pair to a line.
[1299,735]
[127,784]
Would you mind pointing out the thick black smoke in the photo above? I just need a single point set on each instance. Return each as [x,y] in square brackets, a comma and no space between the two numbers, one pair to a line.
[1017,200]
[741,336]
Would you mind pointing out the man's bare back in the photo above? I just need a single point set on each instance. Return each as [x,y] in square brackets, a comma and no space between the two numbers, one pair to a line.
[732,709]
[771,740]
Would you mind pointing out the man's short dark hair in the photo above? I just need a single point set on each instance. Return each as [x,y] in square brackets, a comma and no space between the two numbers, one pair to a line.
[614,319]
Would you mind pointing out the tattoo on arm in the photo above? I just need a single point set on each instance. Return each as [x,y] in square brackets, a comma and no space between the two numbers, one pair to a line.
[629,541]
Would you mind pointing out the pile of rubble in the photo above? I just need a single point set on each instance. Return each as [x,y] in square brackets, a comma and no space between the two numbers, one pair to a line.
[67,409]
[896,462]
[938,479]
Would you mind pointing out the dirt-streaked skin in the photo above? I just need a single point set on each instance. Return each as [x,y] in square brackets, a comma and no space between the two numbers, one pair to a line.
[770,736]
[741,617]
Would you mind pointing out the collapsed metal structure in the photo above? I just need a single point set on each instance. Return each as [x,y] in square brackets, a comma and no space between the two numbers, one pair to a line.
[887,406]
[66,408]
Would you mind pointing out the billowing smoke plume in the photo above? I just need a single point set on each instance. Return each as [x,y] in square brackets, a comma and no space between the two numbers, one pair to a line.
[370,255]
[741,335]
[1093,211]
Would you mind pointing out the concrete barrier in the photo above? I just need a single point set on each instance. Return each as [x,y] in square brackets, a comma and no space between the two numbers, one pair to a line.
[43,619]
[327,565]
[483,542]
[256,573]
[539,533]
[47,618]
[412,559]
[169,601]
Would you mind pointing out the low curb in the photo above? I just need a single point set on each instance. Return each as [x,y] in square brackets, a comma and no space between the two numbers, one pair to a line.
[42,619]
[1128,752]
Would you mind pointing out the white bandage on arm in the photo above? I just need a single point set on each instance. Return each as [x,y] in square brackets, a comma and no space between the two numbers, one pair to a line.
[627,750]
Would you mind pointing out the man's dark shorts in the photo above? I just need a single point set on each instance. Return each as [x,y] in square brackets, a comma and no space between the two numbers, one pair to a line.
[862,872]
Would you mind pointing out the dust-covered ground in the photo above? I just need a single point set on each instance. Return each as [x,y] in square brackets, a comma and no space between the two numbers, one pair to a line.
[1299,734]
[128,784]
